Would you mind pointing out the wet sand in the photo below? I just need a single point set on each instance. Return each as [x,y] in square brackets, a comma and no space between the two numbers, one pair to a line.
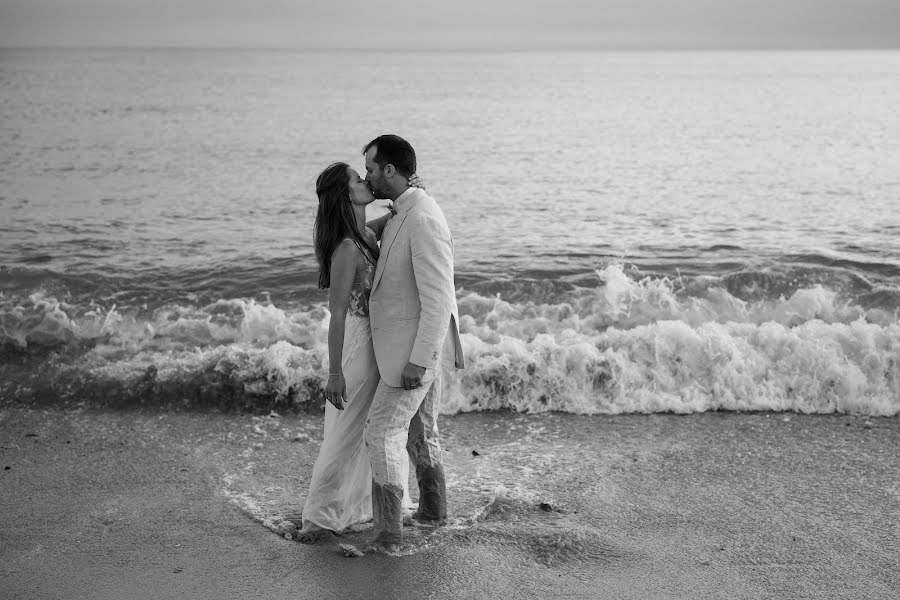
[131,504]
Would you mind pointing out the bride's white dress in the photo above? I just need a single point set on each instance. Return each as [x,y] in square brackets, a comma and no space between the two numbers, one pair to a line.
[340,491]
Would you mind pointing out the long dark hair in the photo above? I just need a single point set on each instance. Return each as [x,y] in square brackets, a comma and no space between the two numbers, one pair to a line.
[335,220]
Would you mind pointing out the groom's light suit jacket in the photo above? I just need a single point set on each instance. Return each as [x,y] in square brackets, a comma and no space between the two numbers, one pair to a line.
[412,305]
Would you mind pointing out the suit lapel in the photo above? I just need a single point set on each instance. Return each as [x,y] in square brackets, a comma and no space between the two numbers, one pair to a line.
[392,229]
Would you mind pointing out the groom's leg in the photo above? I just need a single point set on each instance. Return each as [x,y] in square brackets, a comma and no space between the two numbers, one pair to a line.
[424,449]
[387,429]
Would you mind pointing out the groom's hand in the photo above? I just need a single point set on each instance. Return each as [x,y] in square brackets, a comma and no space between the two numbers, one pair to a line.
[412,375]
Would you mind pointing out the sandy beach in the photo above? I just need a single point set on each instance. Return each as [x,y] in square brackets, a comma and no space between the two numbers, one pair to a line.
[152,504]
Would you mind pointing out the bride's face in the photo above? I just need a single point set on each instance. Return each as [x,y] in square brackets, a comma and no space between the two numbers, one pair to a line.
[359,189]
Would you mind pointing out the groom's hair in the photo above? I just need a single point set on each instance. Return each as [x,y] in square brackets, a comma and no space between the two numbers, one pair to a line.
[394,150]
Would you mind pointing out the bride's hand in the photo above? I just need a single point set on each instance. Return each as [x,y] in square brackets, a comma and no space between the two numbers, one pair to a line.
[336,390]
[415,181]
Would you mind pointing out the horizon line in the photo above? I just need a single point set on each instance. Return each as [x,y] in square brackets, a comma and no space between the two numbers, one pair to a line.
[462,49]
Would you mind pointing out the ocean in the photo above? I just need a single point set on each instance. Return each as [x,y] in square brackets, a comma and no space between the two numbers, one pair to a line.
[635,232]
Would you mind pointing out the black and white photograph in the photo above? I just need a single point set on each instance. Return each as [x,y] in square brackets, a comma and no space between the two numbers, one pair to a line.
[479,299]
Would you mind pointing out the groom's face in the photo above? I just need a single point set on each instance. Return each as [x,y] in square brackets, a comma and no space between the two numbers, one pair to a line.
[375,175]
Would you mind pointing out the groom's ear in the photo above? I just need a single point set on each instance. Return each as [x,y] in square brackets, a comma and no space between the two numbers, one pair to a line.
[389,170]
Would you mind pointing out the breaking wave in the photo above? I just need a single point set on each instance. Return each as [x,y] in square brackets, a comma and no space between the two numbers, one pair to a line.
[616,341]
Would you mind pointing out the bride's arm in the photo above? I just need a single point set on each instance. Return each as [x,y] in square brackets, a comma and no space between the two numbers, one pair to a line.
[377,225]
[343,271]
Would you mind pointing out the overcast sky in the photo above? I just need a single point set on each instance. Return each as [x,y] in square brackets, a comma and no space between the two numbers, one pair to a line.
[501,24]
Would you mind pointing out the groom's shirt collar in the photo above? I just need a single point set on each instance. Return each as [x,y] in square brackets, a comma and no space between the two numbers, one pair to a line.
[406,200]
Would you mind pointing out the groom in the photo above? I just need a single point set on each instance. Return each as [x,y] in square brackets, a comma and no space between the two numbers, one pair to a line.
[412,311]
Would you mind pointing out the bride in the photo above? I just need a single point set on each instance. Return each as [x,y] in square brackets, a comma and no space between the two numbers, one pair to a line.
[340,492]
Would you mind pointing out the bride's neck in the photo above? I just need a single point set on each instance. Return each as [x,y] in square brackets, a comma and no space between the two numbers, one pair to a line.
[359,211]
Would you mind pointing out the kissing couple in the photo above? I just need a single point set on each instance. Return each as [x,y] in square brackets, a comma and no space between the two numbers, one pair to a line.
[393,308]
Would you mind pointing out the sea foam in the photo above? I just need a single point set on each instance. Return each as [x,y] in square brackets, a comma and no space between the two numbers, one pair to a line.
[629,344]
[639,346]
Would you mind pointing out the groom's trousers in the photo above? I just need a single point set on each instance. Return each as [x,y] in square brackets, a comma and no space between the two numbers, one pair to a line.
[405,421]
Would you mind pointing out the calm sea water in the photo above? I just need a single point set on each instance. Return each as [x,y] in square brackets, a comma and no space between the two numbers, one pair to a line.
[634,231]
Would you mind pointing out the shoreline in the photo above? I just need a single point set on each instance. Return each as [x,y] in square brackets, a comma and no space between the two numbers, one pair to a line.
[144,503]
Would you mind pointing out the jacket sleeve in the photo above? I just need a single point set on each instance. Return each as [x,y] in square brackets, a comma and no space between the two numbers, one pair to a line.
[432,259]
